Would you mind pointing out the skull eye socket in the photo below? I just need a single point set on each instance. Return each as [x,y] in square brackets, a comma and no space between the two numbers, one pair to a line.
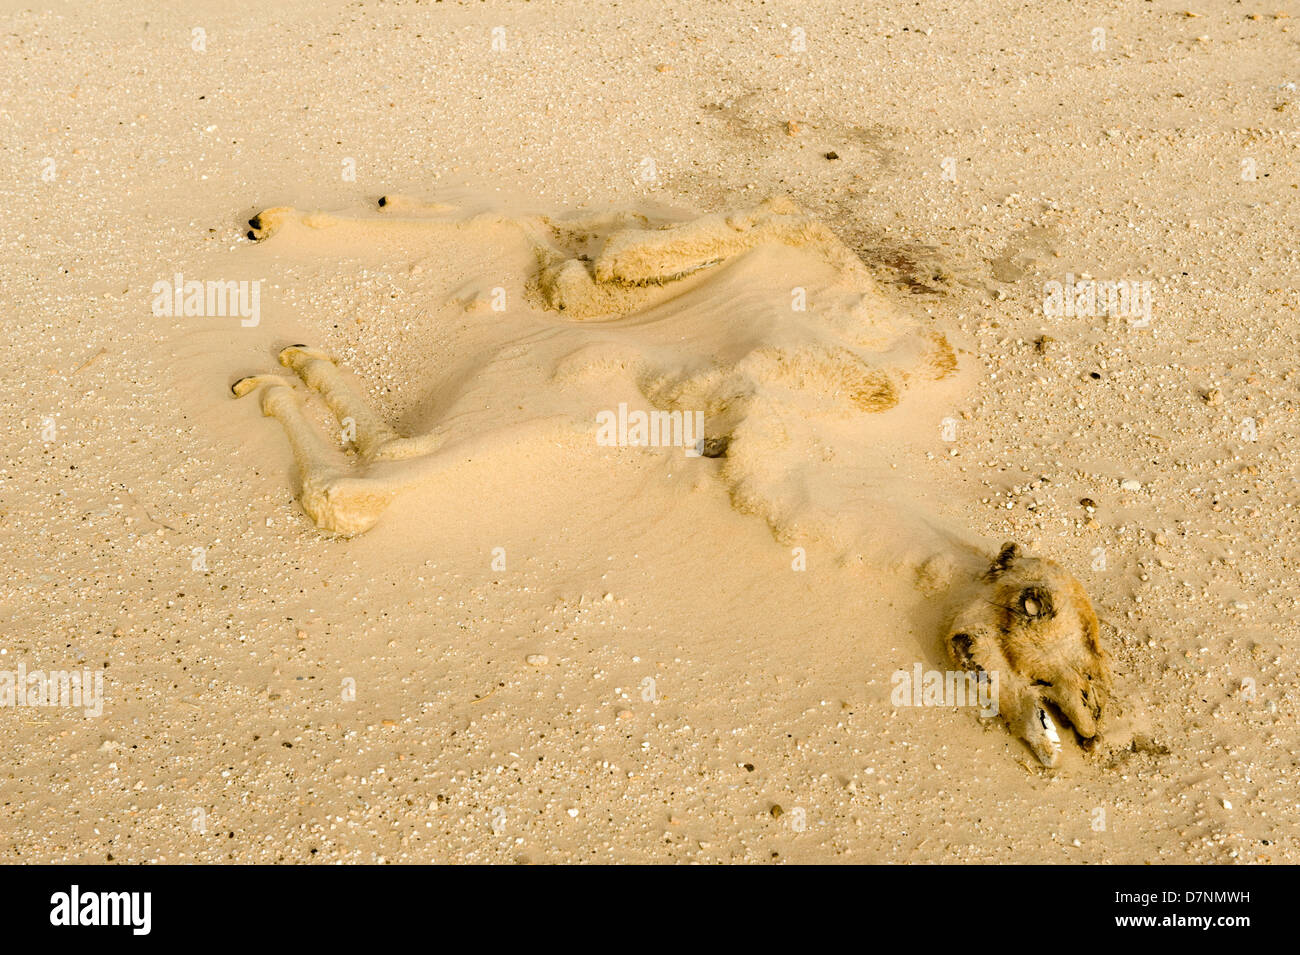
[1034,603]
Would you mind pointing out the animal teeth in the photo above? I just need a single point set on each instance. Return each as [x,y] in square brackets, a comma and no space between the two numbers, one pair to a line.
[1049,727]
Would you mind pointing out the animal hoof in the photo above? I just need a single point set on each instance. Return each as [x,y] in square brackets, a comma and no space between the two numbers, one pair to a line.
[289,357]
[243,386]
[250,383]
[715,447]
[264,224]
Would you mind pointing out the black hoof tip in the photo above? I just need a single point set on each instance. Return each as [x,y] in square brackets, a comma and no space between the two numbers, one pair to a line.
[252,236]
[383,201]
[716,447]
[255,222]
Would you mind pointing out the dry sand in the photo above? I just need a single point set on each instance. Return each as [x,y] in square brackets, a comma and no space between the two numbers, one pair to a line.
[685,680]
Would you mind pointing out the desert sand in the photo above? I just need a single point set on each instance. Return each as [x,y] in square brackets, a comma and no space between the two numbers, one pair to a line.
[555,650]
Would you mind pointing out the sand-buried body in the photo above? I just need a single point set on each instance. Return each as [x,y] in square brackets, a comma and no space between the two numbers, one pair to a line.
[761,323]
[657,307]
